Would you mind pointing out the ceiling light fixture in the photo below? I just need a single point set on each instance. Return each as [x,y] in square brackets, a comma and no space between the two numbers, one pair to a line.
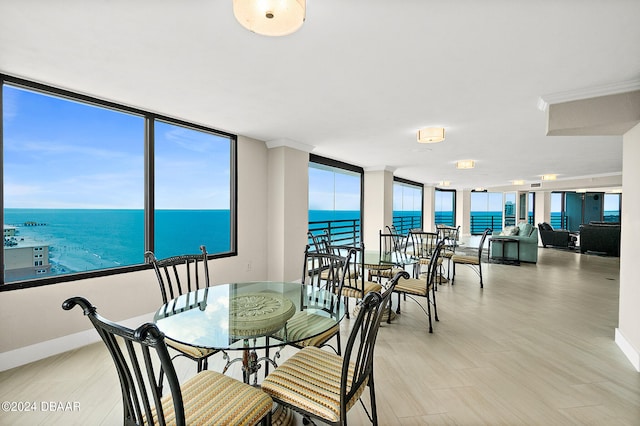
[465,164]
[444,183]
[270,17]
[431,135]
[549,177]
[518,182]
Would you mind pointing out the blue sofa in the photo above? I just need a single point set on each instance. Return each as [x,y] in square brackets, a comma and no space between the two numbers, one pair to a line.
[527,234]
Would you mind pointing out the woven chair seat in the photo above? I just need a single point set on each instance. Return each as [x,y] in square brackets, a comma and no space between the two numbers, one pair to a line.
[211,398]
[465,259]
[357,294]
[192,351]
[412,286]
[448,254]
[385,273]
[302,324]
[427,261]
[310,380]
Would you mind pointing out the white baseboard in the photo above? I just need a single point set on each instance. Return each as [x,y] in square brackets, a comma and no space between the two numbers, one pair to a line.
[38,351]
[631,353]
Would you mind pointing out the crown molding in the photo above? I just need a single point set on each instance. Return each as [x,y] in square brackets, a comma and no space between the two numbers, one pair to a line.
[380,169]
[276,143]
[587,93]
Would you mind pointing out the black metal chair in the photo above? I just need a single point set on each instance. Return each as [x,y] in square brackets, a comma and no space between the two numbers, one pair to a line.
[451,235]
[355,284]
[321,385]
[178,275]
[423,287]
[320,272]
[474,262]
[207,398]
[423,245]
[387,246]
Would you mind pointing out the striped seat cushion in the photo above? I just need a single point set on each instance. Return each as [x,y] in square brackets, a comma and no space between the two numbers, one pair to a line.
[447,254]
[412,286]
[302,324]
[192,351]
[385,273]
[310,380]
[356,293]
[469,260]
[211,398]
[424,261]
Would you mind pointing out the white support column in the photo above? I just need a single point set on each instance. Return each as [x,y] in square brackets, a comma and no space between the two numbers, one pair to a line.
[428,208]
[287,208]
[463,212]
[378,205]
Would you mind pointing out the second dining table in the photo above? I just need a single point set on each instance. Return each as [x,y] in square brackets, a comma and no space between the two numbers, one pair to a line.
[247,317]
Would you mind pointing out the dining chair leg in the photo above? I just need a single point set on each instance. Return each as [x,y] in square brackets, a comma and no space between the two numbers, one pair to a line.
[453,276]
[372,397]
[429,314]
[435,306]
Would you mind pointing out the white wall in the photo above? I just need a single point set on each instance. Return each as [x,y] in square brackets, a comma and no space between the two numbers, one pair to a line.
[628,331]
[34,324]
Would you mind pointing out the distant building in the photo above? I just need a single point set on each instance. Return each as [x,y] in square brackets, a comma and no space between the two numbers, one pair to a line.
[22,259]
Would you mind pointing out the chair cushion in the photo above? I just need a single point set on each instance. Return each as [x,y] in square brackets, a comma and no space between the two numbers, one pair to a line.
[192,351]
[369,286]
[385,273]
[211,398]
[412,286]
[310,380]
[469,260]
[302,324]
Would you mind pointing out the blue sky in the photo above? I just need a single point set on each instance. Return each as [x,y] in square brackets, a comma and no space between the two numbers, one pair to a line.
[63,154]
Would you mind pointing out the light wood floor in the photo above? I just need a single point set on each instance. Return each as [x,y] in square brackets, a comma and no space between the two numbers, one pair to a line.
[535,347]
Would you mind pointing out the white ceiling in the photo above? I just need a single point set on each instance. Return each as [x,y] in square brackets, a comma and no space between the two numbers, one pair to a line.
[357,81]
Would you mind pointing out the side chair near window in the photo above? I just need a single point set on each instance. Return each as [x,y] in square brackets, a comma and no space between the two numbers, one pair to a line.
[472,261]
[355,284]
[387,247]
[423,245]
[325,386]
[320,271]
[423,287]
[176,276]
[451,236]
[208,398]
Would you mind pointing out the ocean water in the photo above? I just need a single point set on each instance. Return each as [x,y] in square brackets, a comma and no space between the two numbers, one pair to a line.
[89,239]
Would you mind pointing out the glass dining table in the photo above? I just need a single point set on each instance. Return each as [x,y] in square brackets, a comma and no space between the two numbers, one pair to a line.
[247,317]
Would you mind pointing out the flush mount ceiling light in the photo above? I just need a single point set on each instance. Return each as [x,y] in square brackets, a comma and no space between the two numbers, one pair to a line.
[549,177]
[444,183]
[465,164]
[518,182]
[431,135]
[270,17]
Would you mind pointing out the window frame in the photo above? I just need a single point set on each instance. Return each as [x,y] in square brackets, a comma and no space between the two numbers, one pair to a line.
[329,162]
[455,199]
[149,175]
[417,185]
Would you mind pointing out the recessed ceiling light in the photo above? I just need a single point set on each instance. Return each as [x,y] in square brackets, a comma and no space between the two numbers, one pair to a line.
[465,164]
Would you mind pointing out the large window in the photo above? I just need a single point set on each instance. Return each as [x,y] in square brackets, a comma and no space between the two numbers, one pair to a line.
[612,207]
[89,186]
[407,205]
[335,199]
[445,207]
[486,211]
